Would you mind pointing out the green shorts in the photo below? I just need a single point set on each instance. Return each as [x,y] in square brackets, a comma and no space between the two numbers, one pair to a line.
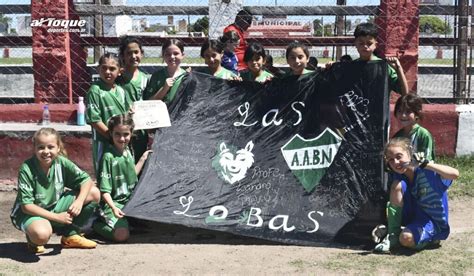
[107,215]
[23,221]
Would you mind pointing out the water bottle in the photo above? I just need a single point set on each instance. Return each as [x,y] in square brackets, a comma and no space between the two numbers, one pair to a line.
[81,108]
[46,115]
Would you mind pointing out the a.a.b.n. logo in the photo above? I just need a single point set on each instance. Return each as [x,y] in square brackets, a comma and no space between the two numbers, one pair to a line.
[308,159]
[232,165]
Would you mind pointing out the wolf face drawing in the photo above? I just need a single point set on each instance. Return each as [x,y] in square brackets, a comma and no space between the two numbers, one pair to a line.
[233,167]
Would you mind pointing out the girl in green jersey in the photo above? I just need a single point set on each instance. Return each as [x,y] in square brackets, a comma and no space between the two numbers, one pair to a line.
[134,83]
[212,52]
[165,82]
[297,57]
[117,179]
[255,57]
[104,99]
[43,206]
[408,111]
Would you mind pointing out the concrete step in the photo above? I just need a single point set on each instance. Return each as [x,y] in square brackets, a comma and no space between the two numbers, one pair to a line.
[17,145]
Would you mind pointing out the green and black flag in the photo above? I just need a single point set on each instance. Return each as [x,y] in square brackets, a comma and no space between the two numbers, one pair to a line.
[295,160]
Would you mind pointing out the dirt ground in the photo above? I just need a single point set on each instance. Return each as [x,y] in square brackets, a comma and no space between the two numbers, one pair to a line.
[175,250]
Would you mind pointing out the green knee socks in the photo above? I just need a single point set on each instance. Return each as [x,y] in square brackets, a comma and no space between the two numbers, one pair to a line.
[394,221]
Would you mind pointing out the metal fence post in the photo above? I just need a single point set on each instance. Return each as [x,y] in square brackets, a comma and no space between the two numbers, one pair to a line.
[460,95]
[98,25]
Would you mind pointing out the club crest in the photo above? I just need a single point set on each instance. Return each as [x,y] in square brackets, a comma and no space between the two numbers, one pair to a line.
[309,159]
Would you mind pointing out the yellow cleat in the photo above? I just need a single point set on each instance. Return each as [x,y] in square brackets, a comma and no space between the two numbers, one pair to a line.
[33,248]
[77,241]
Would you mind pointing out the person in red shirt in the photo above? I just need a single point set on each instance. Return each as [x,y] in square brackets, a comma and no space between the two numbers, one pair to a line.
[243,20]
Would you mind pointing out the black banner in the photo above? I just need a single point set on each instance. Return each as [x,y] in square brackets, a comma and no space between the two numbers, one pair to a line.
[297,160]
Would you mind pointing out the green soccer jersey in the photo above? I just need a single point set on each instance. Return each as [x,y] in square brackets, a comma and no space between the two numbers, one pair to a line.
[224,74]
[44,190]
[221,74]
[134,88]
[421,140]
[118,177]
[305,71]
[102,104]
[134,92]
[158,80]
[247,75]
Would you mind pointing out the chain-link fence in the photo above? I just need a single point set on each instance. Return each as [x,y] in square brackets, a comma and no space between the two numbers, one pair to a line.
[444,50]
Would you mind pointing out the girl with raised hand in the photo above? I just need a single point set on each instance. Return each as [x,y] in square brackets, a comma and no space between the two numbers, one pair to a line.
[418,198]
[165,82]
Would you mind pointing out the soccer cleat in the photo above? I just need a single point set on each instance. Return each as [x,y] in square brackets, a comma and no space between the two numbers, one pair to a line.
[379,232]
[390,241]
[77,241]
[33,248]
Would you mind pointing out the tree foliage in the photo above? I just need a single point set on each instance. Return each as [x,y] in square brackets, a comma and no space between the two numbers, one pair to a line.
[201,25]
[5,19]
[153,28]
[4,23]
[318,28]
[433,24]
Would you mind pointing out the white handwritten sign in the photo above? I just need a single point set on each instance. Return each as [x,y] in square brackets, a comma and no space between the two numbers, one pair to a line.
[150,114]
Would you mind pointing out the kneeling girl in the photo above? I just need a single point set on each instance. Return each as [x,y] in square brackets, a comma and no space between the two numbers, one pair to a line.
[117,179]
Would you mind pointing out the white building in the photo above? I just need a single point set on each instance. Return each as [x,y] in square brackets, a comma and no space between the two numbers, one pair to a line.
[117,25]
[140,25]
[23,25]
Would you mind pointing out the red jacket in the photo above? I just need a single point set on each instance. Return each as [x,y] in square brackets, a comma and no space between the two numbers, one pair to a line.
[240,50]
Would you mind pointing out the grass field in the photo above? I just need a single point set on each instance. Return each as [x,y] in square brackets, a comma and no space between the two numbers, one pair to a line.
[453,258]
[464,185]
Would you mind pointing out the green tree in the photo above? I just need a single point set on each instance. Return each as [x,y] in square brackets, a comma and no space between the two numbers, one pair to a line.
[4,23]
[317,27]
[434,25]
[153,28]
[328,29]
[201,25]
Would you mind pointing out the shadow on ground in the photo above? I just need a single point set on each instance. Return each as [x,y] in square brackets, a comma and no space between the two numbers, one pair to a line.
[142,231]
[17,251]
